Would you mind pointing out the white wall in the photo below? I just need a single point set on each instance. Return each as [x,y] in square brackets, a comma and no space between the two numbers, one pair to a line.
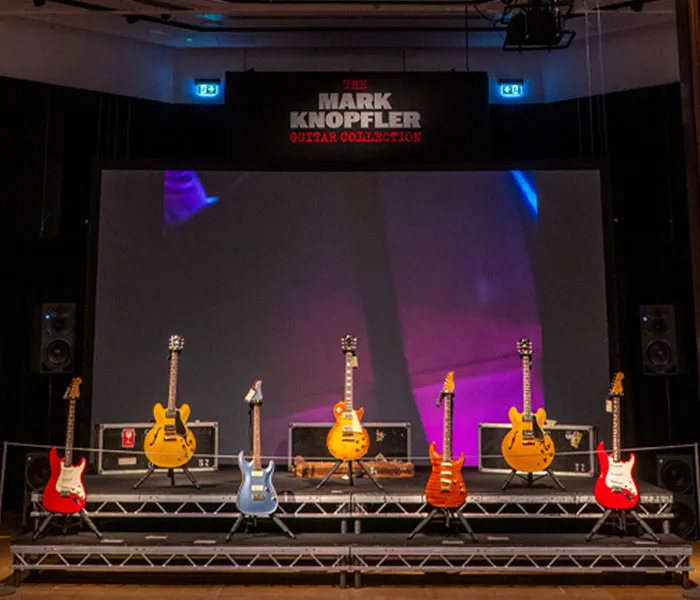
[96,61]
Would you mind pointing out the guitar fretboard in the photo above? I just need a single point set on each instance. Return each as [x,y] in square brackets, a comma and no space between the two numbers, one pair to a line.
[257,459]
[527,392]
[447,426]
[70,431]
[349,366]
[617,451]
[172,385]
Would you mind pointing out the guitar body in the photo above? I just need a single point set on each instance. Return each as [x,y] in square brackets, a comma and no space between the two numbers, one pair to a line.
[169,443]
[615,488]
[256,495]
[436,492]
[65,492]
[527,454]
[347,439]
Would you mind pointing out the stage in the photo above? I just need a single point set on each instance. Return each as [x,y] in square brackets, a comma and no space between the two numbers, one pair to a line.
[345,530]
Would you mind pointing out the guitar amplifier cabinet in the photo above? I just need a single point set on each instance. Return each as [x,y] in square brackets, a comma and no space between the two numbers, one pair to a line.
[574,449]
[308,441]
[130,436]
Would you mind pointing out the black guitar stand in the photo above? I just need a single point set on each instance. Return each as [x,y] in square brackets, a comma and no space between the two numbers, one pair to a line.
[51,516]
[448,514]
[529,479]
[279,522]
[351,476]
[620,517]
[171,474]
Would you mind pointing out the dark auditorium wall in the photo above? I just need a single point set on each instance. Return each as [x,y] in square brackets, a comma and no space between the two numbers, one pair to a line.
[53,134]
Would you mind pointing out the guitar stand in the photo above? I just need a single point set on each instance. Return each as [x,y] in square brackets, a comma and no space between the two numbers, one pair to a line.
[530,479]
[83,517]
[448,514]
[171,474]
[337,464]
[279,522]
[621,523]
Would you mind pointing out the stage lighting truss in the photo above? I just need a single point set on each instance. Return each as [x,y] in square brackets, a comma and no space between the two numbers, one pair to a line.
[537,25]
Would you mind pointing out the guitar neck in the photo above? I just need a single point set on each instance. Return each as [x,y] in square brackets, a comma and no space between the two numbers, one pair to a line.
[172,386]
[257,459]
[447,427]
[527,391]
[70,432]
[349,367]
[617,450]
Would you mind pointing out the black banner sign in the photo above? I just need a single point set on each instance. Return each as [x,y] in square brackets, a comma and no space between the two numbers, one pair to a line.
[357,117]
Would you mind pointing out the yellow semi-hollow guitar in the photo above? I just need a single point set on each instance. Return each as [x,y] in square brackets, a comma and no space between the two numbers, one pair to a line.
[170,444]
[526,447]
[347,439]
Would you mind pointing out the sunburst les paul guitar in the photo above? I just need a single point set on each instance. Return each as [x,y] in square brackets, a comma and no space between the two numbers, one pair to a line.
[347,439]
[526,447]
[65,491]
[616,488]
[256,496]
[170,444]
[445,487]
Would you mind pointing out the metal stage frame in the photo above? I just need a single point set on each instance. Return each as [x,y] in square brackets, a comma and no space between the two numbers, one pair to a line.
[351,505]
[351,554]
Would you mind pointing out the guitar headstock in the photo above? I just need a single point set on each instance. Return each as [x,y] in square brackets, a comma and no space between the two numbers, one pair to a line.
[176,343]
[254,397]
[449,386]
[525,348]
[73,389]
[348,343]
[616,385]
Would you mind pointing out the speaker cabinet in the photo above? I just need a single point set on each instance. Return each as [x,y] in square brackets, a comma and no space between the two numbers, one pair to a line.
[54,349]
[36,475]
[677,473]
[659,341]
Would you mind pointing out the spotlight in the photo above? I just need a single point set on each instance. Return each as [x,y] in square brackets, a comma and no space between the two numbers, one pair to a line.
[539,25]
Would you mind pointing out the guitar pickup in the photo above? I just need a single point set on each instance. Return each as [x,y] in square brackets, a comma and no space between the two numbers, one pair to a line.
[257,488]
[258,497]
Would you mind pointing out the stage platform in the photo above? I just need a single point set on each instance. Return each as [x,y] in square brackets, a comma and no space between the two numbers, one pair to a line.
[112,497]
[351,554]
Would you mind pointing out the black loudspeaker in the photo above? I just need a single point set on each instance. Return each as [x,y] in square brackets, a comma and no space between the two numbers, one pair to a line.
[36,476]
[659,341]
[55,343]
[677,473]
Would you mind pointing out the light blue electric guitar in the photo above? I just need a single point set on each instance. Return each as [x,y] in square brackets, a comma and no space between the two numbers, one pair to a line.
[256,496]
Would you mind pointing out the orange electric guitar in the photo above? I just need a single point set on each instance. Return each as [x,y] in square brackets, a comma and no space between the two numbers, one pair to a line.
[347,439]
[445,487]
[526,447]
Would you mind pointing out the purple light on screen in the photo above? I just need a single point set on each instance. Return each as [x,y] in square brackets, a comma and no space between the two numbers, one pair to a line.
[183,197]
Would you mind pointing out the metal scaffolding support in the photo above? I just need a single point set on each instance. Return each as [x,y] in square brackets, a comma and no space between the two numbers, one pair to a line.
[360,506]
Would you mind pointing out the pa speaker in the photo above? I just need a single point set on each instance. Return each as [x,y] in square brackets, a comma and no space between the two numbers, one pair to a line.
[677,473]
[659,341]
[54,350]
[36,475]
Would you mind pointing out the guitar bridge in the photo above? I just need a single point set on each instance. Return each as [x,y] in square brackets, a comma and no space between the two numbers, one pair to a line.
[258,497]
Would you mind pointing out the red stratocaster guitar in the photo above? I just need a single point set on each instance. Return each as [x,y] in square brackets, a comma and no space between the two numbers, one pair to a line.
[445,487]
[65,493]
[616,488]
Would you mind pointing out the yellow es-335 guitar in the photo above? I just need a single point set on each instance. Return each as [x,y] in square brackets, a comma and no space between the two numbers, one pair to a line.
[170,443]
[347,439]
[526,447]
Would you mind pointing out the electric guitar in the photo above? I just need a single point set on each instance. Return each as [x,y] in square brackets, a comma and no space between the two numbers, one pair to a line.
[65,492]
[347,439]
[616,488]
[170,443]
[526,447]
[256,495]
[445,487]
